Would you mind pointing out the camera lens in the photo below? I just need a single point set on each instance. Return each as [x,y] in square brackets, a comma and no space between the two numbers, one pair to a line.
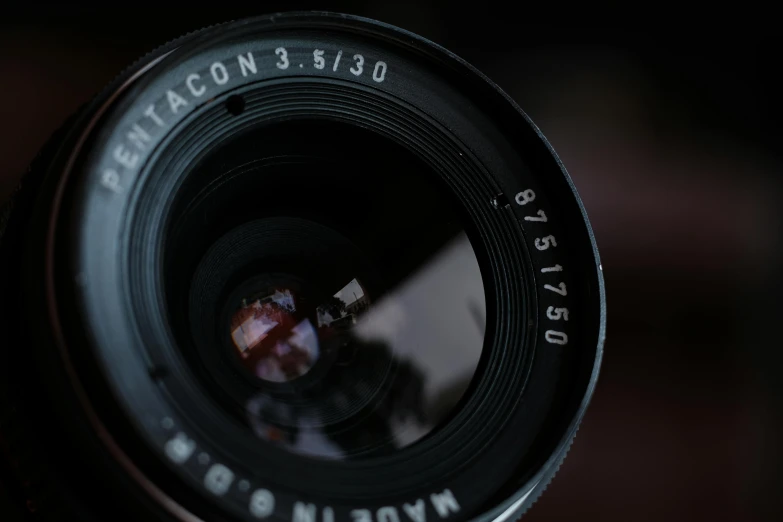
[306,267]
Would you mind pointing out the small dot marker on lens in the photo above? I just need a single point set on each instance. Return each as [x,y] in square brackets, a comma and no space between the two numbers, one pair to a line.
[500,201]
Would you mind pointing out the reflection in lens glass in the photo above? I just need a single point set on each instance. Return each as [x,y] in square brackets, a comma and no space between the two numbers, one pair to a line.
[272,339]
[435,320]
[401,364]
[276,340]
[335,305]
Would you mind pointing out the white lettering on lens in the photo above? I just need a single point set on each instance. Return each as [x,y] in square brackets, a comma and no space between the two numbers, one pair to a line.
[379,73]
[219,73]
[328,514]
[387,514]
[247,64]
[283,54]
[218,479]
[175,101]
[150,113]
[262,503]
[318,59]
[525,197]
[125,157]
[541,217]
[556,268]
[337,60]
[111,180]
[304,512]
[557,313]
[545,242]
[180,448]
[560,289]
[359,65]
[138,136]
[554,337]
[190,83]
[444,503]
[361,515]
[416,512]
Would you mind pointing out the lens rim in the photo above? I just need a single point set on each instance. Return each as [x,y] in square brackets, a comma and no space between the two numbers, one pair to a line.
[540,153]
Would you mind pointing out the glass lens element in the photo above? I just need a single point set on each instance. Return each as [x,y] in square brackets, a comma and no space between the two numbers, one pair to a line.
[399,366]
[330,299]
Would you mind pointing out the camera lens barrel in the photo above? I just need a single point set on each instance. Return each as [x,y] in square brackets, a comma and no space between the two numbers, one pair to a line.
[307,267]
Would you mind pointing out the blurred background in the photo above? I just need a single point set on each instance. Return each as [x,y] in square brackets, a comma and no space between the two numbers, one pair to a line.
[671,133]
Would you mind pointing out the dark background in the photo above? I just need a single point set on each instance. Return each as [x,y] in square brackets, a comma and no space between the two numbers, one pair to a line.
[670,130]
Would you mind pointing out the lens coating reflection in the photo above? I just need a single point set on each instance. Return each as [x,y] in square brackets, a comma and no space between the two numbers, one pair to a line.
[336,306]
[272,338]
[410,357]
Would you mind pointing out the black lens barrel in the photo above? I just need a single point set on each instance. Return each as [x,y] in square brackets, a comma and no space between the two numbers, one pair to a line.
[226,128]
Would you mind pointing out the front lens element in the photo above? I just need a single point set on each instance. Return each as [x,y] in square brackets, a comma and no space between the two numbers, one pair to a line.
[339,313]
